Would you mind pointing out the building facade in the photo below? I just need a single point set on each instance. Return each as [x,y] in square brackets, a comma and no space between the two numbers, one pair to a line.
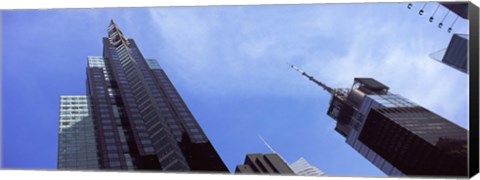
[264,164]
[398,136]
[140,120]
[455,55]
[77,148]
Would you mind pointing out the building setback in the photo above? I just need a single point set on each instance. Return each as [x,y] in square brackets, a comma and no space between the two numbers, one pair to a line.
[300,167]
[140,120]
[398,136]
[263,164]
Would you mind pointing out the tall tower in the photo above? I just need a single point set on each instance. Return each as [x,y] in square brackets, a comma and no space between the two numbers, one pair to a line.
[396,135]
[140,120]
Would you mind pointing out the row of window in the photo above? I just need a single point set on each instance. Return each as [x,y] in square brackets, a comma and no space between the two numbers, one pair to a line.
[76,117]
[153,64]
[73,112]
[73,102]
[74,142]
[73,127]
[79,163]
[73,107]
[77,141]
[78,155]
[66,98]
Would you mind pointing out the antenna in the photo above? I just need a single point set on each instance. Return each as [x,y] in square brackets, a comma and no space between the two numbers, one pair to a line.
[266,144]
[311,78]
[273,151]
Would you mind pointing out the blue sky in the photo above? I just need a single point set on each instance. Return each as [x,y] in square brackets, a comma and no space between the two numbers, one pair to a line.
[229,65]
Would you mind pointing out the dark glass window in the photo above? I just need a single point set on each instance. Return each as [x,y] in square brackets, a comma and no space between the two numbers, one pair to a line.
[148,149]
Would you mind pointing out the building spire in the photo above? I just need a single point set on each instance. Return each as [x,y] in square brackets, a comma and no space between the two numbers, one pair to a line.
[311,78]
[266,144]
[273,151]
[112,25]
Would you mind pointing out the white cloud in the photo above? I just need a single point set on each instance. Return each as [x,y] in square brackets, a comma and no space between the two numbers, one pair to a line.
[248,56]
[404,66]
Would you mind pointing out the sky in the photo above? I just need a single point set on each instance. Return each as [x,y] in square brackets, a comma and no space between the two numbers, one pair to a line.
[229,64]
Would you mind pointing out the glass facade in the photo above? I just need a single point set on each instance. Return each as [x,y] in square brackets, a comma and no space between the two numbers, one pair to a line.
[414,140]
[132,118]
[76,136]
[358,121]
[455,55]
[393,133]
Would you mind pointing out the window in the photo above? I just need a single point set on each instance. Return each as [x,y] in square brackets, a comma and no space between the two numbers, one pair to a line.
[148,149]
[109,140]
[114,163]
[146,141]
[113,155]
[195,130]
[197,136]
[190,124]
[125,147]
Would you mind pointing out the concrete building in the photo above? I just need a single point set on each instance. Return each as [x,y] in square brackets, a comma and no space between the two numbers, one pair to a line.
[264,164]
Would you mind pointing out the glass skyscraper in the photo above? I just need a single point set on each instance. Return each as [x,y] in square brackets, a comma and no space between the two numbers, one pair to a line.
[398,136]
[140,120]
[456,54]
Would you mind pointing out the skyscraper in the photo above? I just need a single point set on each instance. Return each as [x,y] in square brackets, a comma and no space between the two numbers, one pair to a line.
[76,136]
[140,120]
[275,164]
[398,136]
[263,164]
[455,55]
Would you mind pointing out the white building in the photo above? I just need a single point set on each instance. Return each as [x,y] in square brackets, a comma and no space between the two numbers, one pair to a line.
[76,136]
[303,168]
